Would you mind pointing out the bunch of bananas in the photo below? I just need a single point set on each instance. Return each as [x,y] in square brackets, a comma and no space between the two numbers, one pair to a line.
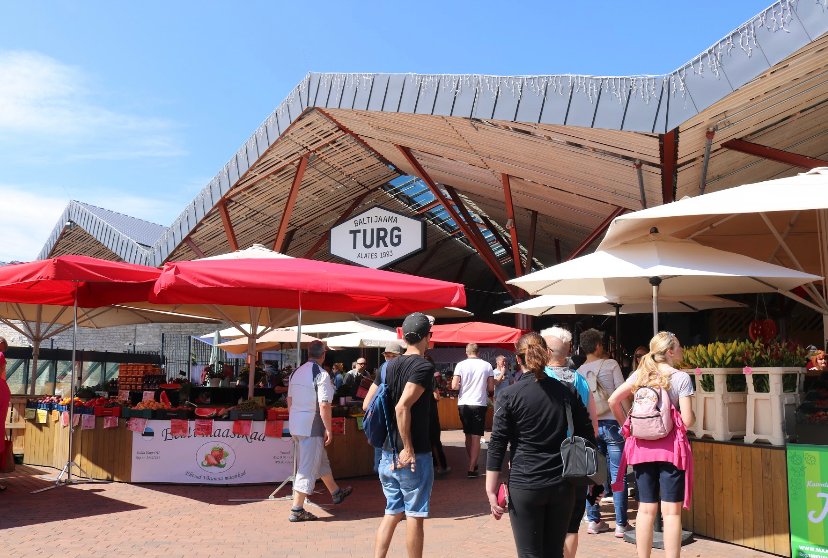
[715,355]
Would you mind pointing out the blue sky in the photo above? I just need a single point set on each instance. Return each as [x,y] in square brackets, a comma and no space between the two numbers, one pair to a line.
[134,106]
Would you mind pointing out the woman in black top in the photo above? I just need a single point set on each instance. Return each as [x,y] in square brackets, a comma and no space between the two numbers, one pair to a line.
[531,418]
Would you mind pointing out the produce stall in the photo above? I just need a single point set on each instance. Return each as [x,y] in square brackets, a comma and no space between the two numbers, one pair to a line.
[154,442]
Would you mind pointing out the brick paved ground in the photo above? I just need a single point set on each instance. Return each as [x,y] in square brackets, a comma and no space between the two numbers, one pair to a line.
[121,520]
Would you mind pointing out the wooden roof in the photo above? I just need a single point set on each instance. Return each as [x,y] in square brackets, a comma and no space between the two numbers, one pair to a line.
[571,146]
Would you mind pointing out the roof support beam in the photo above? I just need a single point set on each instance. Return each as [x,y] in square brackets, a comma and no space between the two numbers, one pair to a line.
[499,237]
[558,255]
[668,152]
[530,248]
[468,230]
[324,238]
[279,244]
[428,207]
[288,240]
[511,224]
[773,154]
[194,247]
[596,233]
[228,226]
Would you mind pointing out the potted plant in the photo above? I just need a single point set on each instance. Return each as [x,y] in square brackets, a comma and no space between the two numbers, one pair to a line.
[721,394]
[215,375]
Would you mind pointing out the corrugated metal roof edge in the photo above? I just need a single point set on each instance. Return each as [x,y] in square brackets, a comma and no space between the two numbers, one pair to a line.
[118,242]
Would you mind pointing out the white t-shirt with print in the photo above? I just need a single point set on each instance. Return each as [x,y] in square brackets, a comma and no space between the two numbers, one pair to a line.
[680,385]
[304,397]
[474,376]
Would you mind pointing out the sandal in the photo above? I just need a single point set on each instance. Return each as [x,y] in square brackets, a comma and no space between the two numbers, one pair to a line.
[340,495]
[297,516]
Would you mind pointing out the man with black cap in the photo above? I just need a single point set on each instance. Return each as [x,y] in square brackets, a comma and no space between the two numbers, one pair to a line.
[406,470]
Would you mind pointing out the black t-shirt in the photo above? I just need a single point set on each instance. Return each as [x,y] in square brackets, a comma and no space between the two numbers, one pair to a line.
[416,370]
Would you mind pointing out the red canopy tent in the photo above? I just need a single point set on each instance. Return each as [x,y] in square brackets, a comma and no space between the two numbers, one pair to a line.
[299,284]
[482,333]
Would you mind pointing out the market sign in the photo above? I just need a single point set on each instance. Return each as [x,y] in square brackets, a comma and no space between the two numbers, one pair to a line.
[808,499]
[378,238]
[220,458]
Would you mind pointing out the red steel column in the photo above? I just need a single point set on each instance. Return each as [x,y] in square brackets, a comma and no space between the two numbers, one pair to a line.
[278,245]
[510,214]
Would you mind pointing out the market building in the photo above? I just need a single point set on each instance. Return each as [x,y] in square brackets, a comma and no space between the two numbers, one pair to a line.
[510,174]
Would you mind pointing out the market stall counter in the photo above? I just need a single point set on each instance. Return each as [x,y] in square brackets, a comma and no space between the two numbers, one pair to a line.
[450,416]
[185,450]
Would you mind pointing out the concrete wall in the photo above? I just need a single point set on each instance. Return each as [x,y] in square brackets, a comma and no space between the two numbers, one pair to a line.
[141,338]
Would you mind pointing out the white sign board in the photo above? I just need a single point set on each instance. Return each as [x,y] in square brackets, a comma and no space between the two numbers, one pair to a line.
[222,458]
[377,238]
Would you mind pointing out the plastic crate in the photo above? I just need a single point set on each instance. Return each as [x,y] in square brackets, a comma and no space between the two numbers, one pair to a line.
[101,411]
[136,413]
[277,414]
[167,414]
[257,414]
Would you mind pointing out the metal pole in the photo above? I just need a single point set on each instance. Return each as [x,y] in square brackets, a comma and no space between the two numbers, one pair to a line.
[70,460]
[655,282]
[617,330]
[299,335]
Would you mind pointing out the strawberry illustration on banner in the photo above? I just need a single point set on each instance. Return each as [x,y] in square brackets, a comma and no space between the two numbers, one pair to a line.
[203,427]
[274,428]
[136,424]
[110,422]
[88,422]
[179,427]
[242,427]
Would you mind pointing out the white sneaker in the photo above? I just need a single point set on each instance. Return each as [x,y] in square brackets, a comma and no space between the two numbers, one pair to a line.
[621,529]
[596,527]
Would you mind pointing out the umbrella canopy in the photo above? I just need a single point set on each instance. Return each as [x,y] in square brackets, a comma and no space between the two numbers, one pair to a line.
[349,326]
[230,333]
[481,333]
[684,267]
[363,339]
[783,221]
[271,340]
[554,305]
[65,280]
[301,283]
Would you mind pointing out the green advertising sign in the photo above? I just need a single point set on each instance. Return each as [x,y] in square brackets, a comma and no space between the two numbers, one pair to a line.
[808,497]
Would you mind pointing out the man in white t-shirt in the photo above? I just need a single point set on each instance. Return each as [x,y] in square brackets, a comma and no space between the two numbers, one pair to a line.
[474,378]
[309,397]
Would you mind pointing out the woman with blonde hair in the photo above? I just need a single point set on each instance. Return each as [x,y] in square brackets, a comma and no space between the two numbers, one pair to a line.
[664,466]
[530,418]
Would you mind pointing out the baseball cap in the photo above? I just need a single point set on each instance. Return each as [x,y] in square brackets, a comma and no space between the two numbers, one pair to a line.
[393,348]
[415,327]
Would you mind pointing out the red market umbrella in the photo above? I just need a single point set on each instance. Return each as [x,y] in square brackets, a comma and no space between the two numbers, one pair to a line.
[74,281]
[297,283]
[482,333]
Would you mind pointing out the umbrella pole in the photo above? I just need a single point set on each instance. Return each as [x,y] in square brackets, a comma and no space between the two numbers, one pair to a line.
[67,469]
[299,335]
[251,350]
[617,329]
[655,282]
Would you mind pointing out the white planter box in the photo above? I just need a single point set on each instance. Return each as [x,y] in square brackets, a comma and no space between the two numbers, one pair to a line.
[720,414]
[766,411]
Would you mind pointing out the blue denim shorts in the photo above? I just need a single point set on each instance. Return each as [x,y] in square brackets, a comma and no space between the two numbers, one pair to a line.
[407,491]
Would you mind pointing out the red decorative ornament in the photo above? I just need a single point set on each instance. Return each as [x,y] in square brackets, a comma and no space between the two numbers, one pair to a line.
[755,329]
[769,330]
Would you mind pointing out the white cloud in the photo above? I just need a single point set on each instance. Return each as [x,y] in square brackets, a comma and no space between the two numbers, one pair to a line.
[47,103]
[28,219]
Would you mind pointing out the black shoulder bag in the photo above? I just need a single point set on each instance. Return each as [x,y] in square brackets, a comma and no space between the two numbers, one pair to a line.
[583,464]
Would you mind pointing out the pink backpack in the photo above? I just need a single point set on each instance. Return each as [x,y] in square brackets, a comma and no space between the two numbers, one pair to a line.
[651,414]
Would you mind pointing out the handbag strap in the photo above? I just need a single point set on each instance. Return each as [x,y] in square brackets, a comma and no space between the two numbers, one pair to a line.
[570,427]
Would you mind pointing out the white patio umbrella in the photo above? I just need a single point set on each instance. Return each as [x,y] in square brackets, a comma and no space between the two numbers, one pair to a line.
[558,305]
[656,265]
[270,340]
[339,328]
[783,221]
[363,339]
[230,333]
